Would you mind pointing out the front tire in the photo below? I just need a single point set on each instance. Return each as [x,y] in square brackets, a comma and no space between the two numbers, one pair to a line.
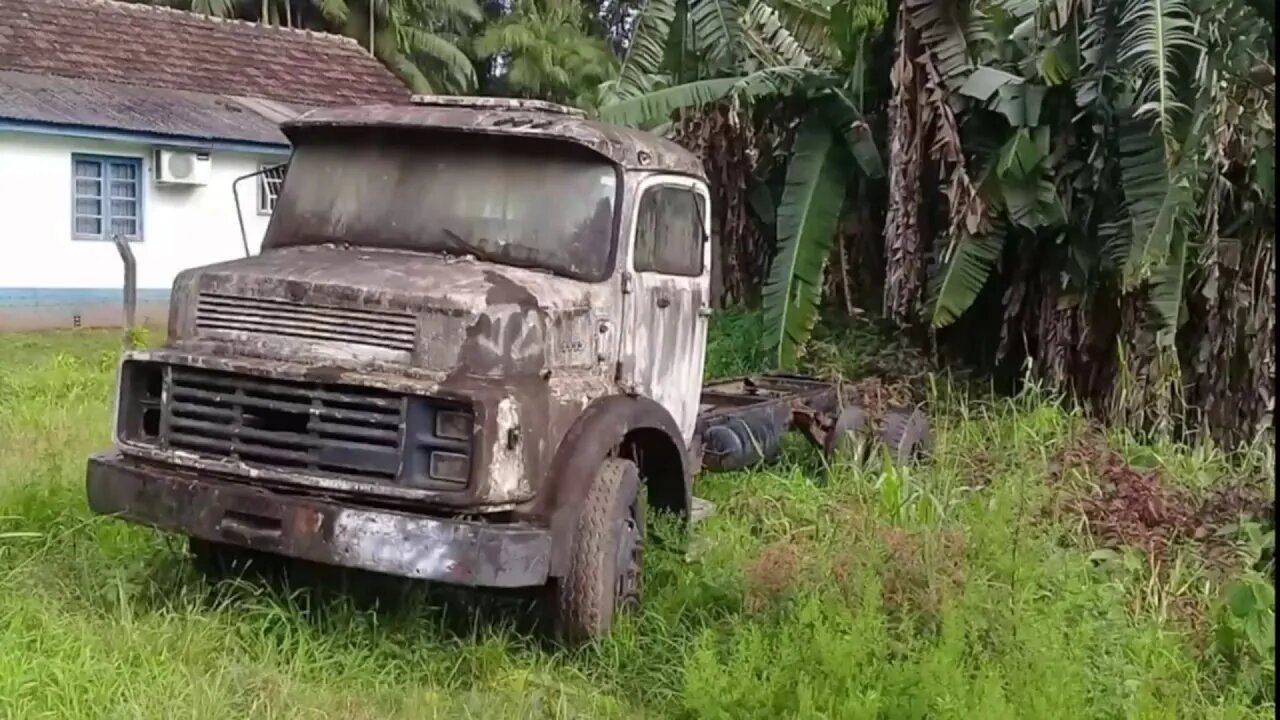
[604,577]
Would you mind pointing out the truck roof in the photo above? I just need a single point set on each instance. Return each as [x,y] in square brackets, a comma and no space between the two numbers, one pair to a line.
[631,149]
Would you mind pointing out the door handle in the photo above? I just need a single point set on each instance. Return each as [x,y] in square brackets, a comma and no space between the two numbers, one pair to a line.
[663,301]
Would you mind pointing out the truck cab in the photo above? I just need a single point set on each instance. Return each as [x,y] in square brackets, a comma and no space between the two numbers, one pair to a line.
[470,350]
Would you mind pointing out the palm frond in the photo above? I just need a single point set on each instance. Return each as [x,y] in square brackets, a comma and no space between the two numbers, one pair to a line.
[1155,32]
[407,70]
[1160,201]
[657,106]
[842,113]
[717,30]
[809,22]
[468,9]
[967,264]
[335,11]
[942,35]
[768,41]
[806,222]
[1152,199]
[416,41]
[1167,289]
[647,47]
[1099,41]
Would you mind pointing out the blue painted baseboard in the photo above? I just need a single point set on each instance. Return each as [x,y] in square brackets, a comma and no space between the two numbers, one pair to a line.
[49,308]
[26,298]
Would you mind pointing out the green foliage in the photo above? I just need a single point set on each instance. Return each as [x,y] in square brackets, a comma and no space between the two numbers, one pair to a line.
[774,49]
[806,220]
[653,107]
[1245,630]
[1109,134]
[647,49]
[717,29]
[549,51]
[968,265]
[420,40]
[940,590]
[1156,32]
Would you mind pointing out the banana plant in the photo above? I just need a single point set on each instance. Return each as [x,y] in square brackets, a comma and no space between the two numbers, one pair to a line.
[768,54]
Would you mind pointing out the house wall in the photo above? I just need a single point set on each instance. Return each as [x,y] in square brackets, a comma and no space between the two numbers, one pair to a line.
[49,280]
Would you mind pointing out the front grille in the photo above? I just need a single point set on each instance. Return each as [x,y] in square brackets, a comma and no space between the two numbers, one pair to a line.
[376,328]
[352,432]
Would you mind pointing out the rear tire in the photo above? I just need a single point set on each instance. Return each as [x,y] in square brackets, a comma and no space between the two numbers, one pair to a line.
[604,577]
[905,434]
[848,439]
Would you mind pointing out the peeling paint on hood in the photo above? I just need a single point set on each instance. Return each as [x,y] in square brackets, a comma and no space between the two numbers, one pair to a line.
[433,311]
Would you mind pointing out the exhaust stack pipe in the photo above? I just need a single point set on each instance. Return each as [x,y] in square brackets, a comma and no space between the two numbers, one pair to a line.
[130,287]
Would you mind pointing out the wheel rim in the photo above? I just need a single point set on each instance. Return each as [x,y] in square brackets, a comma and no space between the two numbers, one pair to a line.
[628,561]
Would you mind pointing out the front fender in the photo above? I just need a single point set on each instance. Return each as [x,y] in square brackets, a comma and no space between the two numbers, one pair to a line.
[596,434]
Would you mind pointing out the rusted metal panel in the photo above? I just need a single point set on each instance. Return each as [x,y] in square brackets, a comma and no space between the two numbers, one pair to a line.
[629,149]
[666,323]
[346,534]
[742,419]
[518,424]
[377,328]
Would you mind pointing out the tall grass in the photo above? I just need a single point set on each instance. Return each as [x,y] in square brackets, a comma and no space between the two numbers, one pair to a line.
[939,590]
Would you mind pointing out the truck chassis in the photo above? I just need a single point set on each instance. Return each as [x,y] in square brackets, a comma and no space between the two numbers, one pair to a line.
[742,421]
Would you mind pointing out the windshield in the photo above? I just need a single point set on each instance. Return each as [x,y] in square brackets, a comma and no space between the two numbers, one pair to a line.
[499,199]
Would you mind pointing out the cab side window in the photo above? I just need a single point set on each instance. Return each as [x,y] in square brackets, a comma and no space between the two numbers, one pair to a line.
[668,231]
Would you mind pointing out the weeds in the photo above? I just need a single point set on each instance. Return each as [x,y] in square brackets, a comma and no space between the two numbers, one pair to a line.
[972,584]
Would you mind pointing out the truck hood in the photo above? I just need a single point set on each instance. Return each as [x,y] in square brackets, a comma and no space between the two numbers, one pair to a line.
[434,311]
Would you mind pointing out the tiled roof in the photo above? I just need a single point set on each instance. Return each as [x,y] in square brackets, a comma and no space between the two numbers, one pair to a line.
[186,117]
[158,47]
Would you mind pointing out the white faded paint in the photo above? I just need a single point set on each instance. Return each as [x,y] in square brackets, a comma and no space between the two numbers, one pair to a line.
[182,226]
[518,333]
[433,549]
[667,347]
[506,464]
[376,542]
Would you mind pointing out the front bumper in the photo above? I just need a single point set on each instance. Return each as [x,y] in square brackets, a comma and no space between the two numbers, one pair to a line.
[397,543]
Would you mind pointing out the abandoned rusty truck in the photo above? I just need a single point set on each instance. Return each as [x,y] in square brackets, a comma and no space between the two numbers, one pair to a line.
[470,350]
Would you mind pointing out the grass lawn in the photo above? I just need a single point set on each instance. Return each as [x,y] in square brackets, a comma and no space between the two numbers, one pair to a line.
[991,582]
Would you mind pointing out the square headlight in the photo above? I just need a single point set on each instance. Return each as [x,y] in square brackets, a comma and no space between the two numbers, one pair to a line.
[453,425]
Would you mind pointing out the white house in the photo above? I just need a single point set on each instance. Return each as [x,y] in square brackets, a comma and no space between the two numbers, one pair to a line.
[151,123]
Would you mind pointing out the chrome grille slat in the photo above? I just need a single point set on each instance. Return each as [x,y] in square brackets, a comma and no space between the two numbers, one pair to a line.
[239,301]
[304,391]
[249,324]
[218,312]
[323,411]
[275,439]
[355,433]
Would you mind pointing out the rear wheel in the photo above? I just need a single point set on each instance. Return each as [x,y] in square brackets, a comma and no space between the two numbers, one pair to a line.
[604,576]
[848,440]
[905,433]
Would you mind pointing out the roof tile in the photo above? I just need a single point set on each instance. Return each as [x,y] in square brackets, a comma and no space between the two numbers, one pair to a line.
[158,47]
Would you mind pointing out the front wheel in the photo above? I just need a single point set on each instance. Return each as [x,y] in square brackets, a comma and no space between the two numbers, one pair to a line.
[604,576]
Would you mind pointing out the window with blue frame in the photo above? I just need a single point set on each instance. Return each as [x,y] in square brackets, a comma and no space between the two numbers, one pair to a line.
[107,197]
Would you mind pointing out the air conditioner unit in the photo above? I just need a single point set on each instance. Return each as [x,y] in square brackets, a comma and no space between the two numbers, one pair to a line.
[182,167]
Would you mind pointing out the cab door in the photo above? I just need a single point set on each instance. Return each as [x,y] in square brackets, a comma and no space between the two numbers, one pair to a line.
[667,295]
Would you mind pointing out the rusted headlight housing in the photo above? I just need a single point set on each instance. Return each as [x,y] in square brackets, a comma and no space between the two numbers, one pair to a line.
[437,445]
[139,394]
[453,425]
